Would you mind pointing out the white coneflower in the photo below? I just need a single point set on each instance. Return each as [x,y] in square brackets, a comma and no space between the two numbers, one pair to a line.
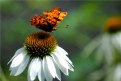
[107,50]
[108,45]
[46,58]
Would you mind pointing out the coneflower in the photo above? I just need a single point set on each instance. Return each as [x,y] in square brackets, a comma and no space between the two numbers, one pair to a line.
[108,45]
[43,55]
[107,48]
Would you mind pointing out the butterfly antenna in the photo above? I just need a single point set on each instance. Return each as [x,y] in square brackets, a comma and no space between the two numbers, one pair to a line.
[60,27]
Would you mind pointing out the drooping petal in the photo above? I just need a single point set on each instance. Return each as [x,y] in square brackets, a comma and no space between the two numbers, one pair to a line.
[92,46]
[51,66]
[109,51]
[33,69]
[21,50]
[48,76]
[58,71]
[116,41]
[60,64]
[63,62]
[13,71]
[105,50]
[29,76]
[117,73]
[60,52]
[41,75]
[100,53]
[18,70]
[23,66]
[119,40]
[18,60]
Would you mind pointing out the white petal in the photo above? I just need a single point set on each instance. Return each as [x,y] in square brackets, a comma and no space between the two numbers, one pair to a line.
[23,66]
[41,75]
[17,60]
[46,70]
[13,71]
[51,66]
[58,71]
[116,40]
[105,50]
[119,40]
[64,56]
[18,70]
[92,46]
[21,50]
[100,53]
[60,65]
[117,73]
[108,49]
[34,68]
[64,62]
[62,50]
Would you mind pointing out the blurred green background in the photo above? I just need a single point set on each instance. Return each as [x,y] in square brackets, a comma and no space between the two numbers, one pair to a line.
[85,19]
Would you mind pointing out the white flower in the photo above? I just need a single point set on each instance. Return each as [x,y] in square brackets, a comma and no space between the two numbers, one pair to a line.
[106,47]
[45,67]
[109,47]
[107,50]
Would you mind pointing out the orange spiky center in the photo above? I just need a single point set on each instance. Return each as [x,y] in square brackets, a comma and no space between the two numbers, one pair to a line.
[40,44]
[113,25]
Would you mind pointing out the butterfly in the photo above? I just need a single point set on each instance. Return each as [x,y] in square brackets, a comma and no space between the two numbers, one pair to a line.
[49,21]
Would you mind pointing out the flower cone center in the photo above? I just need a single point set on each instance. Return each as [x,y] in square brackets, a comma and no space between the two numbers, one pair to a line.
[113,24]
[40,44]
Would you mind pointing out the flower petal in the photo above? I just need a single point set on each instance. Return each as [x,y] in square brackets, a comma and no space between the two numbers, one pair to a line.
[116,41]
[46,70]
[109,51]
[62,50]
[21,50]
[92,46]
[64,62]
[41,75]
[117,73]
[33,68]
[57,70]
[23,65]
[17,60]
[19,69]
[63,67]
[51,66]
[13,71]
[64,55]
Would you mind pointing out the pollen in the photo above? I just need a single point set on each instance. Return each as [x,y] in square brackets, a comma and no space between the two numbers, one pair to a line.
[40,44]
[113,24]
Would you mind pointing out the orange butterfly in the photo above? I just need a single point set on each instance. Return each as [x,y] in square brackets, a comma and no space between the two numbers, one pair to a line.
[49,20]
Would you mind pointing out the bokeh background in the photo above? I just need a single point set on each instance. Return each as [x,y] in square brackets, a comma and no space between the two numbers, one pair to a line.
[86,20]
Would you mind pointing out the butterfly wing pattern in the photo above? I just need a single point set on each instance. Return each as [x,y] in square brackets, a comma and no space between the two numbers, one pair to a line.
[49,21]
